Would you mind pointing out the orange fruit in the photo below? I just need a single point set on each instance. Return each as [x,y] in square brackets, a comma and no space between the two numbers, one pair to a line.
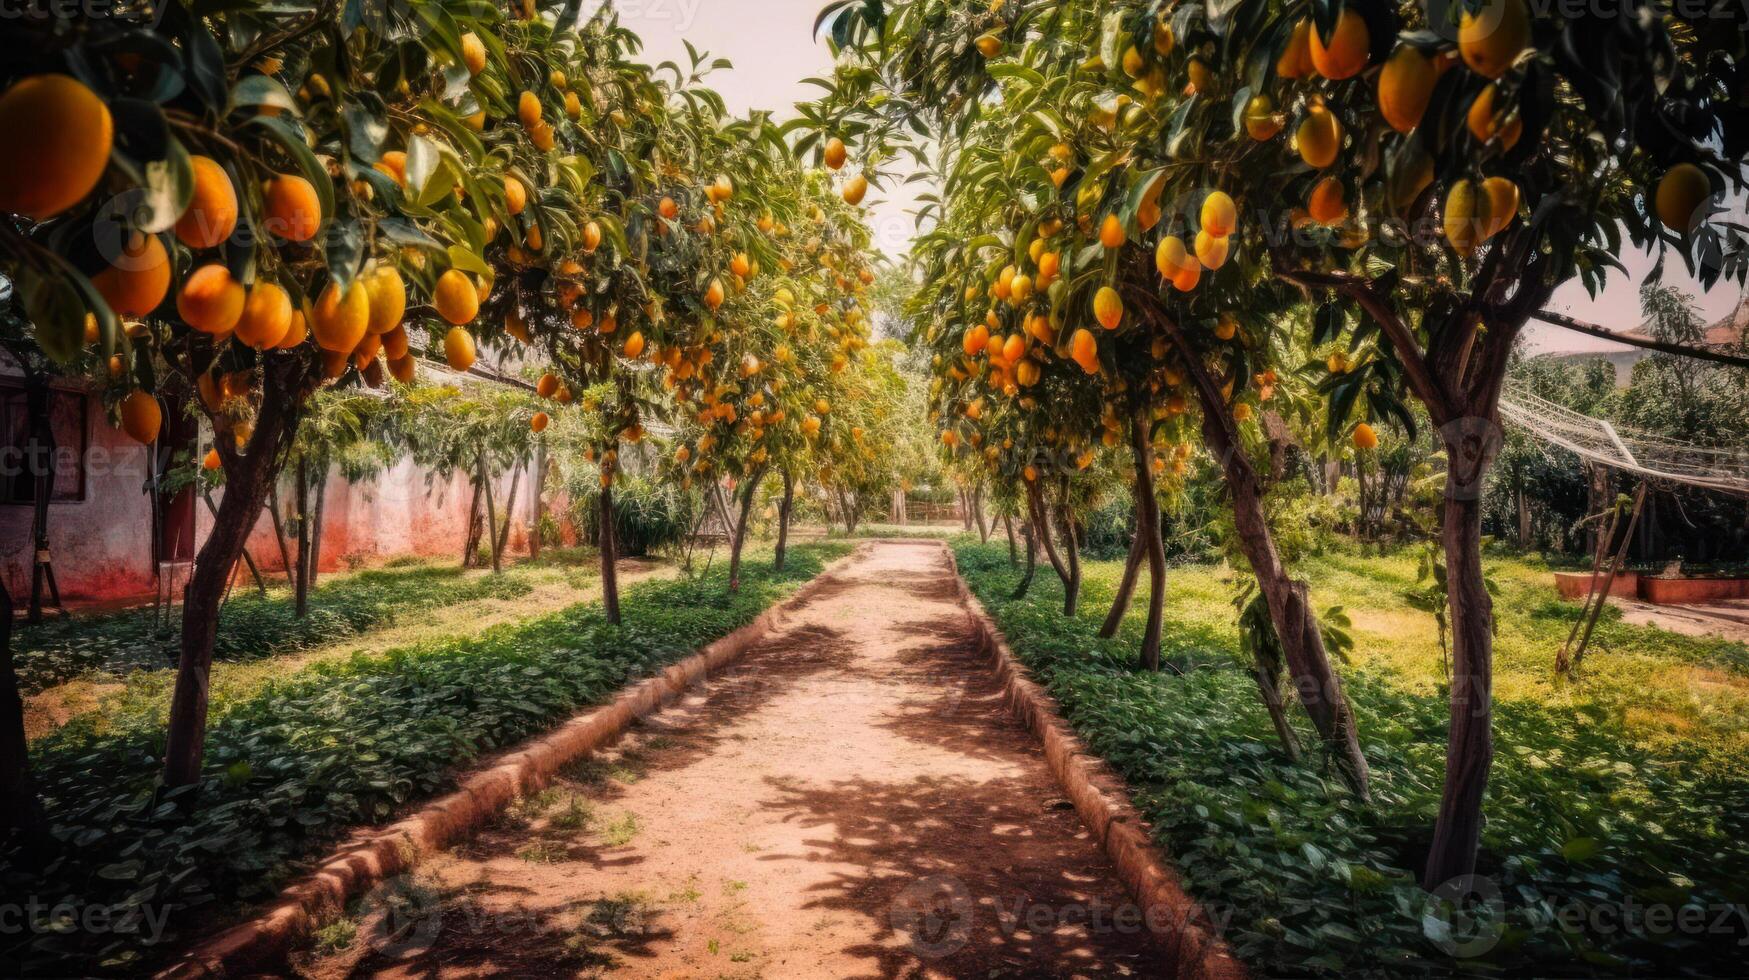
[538,423]
[1682,192]
[335,363]
[1188,275]
[136,281]
[141,417]
[1491,41]
[740,265]
[1327,205]
[212,211]
[403,369]
[1241,412]
[836,154]
[634,345]
[528,109]
[1345,54]
[61,135]
[393,163]
[1084,349]
[455,298]
[1111,234]
[547,386]
[713,294]
[855,190]
[210,301]
[668,209]
[365,354]
[297,333]
[1405,86]
[1219,215]
[294,213]
[975,340]
[1502,197]
[473,53]
[1319,137]
[1465,217]
[1169,256]
[340,320]
[1211,252]
[1226,327]
[1261,120]
[1108,308]
[458,349]
[395,345]
[211,460]
[1365,437]
[591,237]
[388,298]
[267,315]
[1296,58]
[515,195]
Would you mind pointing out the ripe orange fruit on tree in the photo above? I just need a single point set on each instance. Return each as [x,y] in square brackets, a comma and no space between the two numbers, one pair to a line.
[1189,274]
[634,345]
[836,153]
[387,292]
[713,294]
[455,298]
[989,45]
[1491,41]
[528,109]
[1020,289]
[395,343]
[740,265]
[403,368]
[1405,86]
[1261,120]
[1327,205]
[1170,256]
[1219,215]
[538,423]
[1319,137]
[1296,58]
[1211,252]
[1465,217]
[1365,437]
[1242,412]
[1084,349]
[855,190]
[458,349]
[141,417]
[339,320]
[1345,54]
[1682,192]
[1502,195]
[298,332]
[515,195]
[267,315]
[1108,308]
[212,210]
[61,135]
[591,237]
[393,163]
[473,53]
[136,281]
[975,339]
[211,301]
[211,460]
[365,354]
[294,213]
[1111,232]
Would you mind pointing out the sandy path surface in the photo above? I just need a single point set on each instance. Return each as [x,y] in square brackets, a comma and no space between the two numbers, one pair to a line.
[852,800]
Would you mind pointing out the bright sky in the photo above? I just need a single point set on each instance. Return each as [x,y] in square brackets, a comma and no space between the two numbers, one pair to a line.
[772,49]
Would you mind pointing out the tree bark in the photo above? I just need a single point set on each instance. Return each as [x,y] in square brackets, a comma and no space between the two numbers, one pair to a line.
[303,572]
[510,511]
[747,494]
[20,810]
[471,538]
[977,498]
[247,478]
[1031,557]
[1071,554]
[1148,531]
[1126,586]
[607,543]
[536,503]
[783,511]
[491,517]
[1041,529]
[273,511]
[316,527]
[1008,528]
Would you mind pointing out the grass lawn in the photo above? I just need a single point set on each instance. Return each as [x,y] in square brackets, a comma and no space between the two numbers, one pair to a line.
[1619,791]
[294,762]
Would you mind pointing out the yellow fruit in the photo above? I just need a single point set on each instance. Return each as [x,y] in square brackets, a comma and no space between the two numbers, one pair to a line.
[1211,252]
[528,109]
[1084,349]
[1163,38]
[1502,197]
[1346,52]
[1169,256]
[1485,121]
[1219,216]
[267,315]
[136,281]
[541,135]
[211,301]
[1327,205]
[1682,192]
[1261,121]
[989,45]
[1111,233]
[455,298]
[1020,290]
[1491,42]
[1465,217]
[1108,308]
[1365,437]
[59,140]
[1049,263]
[141,417]
[388,298]
[473,53]
[458,349]
[1296,58]
[591,237]
[1319,138]
[1405,85]
[293,212]
[339,321]
[855,190]
[212,210]
[1188,275]
[515,195]
[395,343]
[836,154]
[1227,327]
[573,106]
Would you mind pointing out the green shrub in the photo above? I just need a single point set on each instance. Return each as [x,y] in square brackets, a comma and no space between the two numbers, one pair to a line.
[649,515]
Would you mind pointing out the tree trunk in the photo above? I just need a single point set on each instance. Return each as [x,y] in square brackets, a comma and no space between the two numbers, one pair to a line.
[1523,519]
[1041,529]
[20,810]
[606,542]
[273,511]
[1457,831]
[303,572]
[1031,558]
[977,498]
[491,517]
[510,511]
[1148,531]
[471,537]
[747,494]
[783,510]
[536,503]
[1008,528]
[849,511]
[1126,586]
[1296,627]
[316,527]
[247,478]
[1071,554]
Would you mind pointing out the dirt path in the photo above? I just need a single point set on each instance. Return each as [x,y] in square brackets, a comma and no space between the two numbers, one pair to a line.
[853,800]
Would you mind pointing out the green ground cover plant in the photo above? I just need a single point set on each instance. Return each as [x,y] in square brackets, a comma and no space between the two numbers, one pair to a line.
[1596,815]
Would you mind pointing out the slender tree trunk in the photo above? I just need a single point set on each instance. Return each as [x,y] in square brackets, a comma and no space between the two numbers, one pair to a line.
[1457,831]
[1268,675]
[510,511]
[1523,519]
[316,525]
[1008,528]
[537,501]
[1148,530]
[1041,529]
[20,810]
[273,511]
[849,512]
[1071,553]
[1296,627]
[747,494]
[978,513]
[491,517]
[471,536]
[247,478]
[1026,531]
[303,572]
[783,511]
[1126,586]
[607,544]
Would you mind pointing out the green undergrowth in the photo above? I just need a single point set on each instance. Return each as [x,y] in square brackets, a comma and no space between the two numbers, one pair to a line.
[251,626]
[1608,848]
[292,765]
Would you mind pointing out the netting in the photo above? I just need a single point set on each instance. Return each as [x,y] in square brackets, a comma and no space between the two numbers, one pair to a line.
[1627,450]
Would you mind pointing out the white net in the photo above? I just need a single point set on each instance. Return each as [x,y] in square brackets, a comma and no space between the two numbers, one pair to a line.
[1625,449]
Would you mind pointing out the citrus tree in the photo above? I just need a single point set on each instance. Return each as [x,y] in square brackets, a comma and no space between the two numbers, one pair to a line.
[1427,174]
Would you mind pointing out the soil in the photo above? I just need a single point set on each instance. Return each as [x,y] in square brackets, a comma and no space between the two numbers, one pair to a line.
[852,799]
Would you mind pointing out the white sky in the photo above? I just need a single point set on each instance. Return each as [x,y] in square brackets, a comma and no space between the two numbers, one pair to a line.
[771,46]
